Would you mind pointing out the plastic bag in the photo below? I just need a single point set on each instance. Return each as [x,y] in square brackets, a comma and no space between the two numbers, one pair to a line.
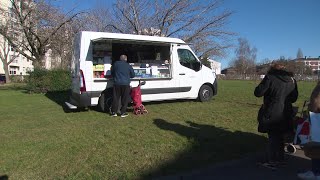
[302,135]
[314,127]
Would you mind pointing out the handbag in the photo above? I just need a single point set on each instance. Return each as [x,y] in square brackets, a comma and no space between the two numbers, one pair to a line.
[302,135]
[302,126]
[312,147]
[262,119]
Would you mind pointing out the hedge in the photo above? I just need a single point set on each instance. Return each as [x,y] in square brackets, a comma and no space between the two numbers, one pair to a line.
[42,80]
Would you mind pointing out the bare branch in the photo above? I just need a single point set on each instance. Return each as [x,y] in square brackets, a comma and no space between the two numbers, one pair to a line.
[245,57]
[190,20]
[36,24]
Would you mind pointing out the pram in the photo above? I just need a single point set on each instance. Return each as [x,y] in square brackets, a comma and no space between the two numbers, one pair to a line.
[293,140]
[138,107]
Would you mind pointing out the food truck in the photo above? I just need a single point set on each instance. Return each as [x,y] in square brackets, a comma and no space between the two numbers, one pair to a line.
[168,68]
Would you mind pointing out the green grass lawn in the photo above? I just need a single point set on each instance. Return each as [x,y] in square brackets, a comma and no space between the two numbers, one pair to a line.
[38,140]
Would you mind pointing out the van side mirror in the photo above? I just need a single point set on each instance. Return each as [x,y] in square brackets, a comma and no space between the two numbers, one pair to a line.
[197,66]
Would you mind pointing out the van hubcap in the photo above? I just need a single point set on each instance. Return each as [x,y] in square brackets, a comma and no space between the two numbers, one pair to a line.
[205,93]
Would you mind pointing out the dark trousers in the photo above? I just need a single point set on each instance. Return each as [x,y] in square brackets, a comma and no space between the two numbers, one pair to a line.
[120,92]
[275,148]
[316,166]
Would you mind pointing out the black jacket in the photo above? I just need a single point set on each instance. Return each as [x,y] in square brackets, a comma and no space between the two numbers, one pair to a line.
[279,91]
[121,73]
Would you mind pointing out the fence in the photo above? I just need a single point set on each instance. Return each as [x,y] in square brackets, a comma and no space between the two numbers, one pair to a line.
[260,77]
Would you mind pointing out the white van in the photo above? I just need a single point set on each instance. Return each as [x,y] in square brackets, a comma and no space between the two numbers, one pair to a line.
[168,67]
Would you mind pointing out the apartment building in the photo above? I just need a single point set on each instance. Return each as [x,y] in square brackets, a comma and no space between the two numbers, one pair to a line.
[20,65]
[313,63]
[215,66]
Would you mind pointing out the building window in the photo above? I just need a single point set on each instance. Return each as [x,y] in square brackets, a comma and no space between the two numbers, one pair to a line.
[13,70]
[13,48]
[15,59]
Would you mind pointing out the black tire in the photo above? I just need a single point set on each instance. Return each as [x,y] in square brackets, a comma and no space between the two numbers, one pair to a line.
[205,93]
[290,148]
[105,102]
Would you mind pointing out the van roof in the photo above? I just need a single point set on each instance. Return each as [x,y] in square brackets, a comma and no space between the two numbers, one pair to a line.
[98,36]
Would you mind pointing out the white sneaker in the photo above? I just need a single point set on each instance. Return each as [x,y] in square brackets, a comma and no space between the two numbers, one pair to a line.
[307,176]
[124,115]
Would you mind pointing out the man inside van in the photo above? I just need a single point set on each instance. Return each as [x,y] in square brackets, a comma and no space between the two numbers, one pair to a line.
[121,73]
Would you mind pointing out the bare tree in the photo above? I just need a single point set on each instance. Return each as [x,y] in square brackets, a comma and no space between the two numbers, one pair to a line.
[200,23]
[36,23]
[97,18]
[266,61]
[61,45]
[245,57]
[297,67]
[299,54]
[8,53]
[7,57]
[282,58]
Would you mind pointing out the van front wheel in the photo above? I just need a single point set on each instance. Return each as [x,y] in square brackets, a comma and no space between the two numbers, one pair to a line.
[205,93]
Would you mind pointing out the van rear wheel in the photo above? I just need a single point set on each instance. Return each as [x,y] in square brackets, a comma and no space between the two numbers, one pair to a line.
[105,102]
[205,93]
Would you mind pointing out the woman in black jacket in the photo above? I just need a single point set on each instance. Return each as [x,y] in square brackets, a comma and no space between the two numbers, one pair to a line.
[279,91]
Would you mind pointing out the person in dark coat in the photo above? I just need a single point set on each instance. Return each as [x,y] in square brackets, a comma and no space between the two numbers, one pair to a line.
[121,73]
[279,91]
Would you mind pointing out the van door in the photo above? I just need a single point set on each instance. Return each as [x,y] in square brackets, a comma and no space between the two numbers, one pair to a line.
[189,70]
[75,66]
[75,73]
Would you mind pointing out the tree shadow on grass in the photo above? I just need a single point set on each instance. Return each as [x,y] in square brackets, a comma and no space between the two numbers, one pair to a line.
[174,101]
[168,101]
[60,97]
[4,177]
[209,144]
[245,103]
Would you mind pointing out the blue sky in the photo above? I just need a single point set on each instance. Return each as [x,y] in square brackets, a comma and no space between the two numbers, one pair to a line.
[275,27]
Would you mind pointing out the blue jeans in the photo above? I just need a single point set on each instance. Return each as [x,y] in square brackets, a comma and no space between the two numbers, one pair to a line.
[315,166]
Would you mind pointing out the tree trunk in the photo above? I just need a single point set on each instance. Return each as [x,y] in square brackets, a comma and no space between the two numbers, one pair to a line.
[6,72]
[39,63]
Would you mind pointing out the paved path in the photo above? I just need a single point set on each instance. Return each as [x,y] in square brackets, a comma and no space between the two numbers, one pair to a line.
[246,169]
